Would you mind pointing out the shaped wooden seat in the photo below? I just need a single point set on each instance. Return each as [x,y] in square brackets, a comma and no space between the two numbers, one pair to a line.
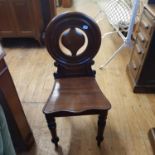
[76,95]
[75,91]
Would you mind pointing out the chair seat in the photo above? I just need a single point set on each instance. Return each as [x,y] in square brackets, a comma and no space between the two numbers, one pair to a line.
[76,95]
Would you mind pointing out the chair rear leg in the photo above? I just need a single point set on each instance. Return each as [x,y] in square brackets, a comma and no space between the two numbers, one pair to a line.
[101,126]
[52,127]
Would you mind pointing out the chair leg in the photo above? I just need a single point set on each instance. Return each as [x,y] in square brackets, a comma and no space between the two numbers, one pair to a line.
[52,127]
[101,126]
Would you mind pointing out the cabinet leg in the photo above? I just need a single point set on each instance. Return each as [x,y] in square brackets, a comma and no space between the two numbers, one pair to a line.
[101,126]
[52,127]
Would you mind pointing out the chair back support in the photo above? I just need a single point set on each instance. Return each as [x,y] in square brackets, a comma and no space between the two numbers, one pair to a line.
[73,39]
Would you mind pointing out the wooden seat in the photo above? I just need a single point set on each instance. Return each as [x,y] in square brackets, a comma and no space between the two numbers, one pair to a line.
[75,91]
[76,95]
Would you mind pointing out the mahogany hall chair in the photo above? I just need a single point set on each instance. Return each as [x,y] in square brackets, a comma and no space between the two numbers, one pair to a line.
[75,91]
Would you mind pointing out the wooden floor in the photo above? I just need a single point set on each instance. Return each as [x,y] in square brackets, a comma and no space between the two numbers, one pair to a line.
[129,120]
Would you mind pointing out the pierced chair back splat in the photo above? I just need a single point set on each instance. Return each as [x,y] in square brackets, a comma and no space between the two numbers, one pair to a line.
[73,39]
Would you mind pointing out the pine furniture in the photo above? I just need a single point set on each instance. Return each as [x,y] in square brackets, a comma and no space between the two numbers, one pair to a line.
[141,68]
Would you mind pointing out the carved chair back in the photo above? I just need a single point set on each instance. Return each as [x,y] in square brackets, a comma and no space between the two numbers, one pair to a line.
[73,39]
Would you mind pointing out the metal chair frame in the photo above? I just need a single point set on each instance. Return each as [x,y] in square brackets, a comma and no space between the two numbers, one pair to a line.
[113,4]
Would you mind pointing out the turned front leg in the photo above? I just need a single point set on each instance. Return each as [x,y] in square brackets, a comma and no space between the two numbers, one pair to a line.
[52,127]
[101,126]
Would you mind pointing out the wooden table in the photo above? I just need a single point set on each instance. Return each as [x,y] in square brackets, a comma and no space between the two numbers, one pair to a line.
[20,131]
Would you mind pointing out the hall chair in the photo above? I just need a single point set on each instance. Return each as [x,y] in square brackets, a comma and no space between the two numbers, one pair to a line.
[73,39]
[121,14]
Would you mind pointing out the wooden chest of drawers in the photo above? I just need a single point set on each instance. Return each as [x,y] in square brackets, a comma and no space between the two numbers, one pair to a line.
[25,18]
[141,67]
[19,128]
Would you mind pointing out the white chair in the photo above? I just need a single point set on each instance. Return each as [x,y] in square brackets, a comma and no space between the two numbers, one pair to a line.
[121,14]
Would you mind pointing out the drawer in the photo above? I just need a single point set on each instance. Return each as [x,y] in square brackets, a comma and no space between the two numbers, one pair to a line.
[139,51]
[146,25]
[142,39]
[149,16]
[134,65]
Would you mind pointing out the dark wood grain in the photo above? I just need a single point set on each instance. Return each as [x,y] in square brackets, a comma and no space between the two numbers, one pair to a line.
[52,128]
[19,128]
[75,91]
[22,18]
[101,127]
[76,95]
